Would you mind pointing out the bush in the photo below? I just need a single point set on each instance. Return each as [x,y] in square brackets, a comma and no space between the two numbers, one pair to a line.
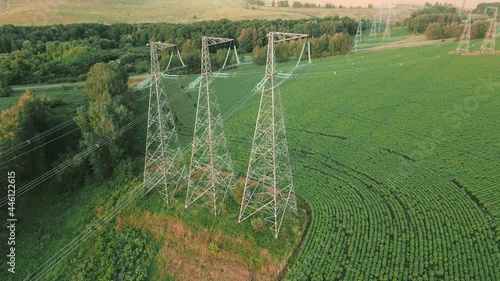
[237,191]
[5,89]
[434,31]
[257,224]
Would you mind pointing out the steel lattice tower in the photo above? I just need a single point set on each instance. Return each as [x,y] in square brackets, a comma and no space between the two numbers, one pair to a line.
[269,184]
[387,30]
[380,21]
[211,169]
[463,44]
[163,158]
[488,45]
[373,31]
[359,35]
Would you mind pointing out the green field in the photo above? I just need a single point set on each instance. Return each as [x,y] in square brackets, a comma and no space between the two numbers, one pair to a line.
[397,155]
[396,152]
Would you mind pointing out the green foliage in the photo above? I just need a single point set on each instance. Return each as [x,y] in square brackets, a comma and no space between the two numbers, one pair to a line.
[284,3]
[255,2]
[237,191]
[124,254]
[445,15]
[5,89]
[259,55]
[104,117]
[28,117]
[257,224]
[105,81]
[434,31]
[478,29]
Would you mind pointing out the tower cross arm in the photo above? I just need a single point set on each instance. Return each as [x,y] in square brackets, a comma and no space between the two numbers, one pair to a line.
[217,40]
[282,36]
[161,45]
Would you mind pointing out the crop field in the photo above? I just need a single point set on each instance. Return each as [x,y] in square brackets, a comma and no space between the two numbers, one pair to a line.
[397,154]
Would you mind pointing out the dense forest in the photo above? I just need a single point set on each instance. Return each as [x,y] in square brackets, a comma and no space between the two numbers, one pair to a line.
[34,54]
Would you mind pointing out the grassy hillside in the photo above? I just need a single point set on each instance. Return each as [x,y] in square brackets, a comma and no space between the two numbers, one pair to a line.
[132,11]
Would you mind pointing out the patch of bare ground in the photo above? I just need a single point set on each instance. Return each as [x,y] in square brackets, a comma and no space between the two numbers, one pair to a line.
[190,255]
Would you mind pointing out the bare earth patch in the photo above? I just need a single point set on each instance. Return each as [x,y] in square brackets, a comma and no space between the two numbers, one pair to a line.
[189,255]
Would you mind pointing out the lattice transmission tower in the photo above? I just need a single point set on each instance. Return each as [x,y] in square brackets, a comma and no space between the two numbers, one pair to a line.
[359,36]
[163,158]
[488,46]
[373,31]
[211,169]
[268,183]
[380,20]
[387,30]
[463,44]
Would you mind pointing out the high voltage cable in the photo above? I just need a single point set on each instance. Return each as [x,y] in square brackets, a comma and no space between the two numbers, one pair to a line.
[80,155]
[83,236]
[60,126]
[67,133]
[73,160]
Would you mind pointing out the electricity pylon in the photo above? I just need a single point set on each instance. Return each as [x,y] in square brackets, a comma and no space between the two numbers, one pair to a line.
[488,45]
[359,35]
[373,31]
[210,169]
[463,44]
[269,184]
[460,11]
[380,20]
[387,30]
[163,158]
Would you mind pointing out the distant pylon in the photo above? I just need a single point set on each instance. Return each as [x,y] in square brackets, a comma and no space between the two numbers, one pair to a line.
[380,21]
[359,36]
[373,31]
[488,46]
[211,169]
[269,184]
[463,44]
[460,11]
[163,158]
[387,30]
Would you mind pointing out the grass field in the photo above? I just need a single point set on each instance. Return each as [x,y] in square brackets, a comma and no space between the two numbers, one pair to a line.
[133,11]
[395,151]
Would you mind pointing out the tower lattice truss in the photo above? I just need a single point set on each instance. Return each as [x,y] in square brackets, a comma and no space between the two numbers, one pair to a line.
[359,36]
[211,170]
[163,158]
[373,31]
[269,184]
[387,30]
[463,44]
[488,46]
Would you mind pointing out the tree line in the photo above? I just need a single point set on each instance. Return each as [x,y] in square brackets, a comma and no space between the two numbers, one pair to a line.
[36,54]
[440,21]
